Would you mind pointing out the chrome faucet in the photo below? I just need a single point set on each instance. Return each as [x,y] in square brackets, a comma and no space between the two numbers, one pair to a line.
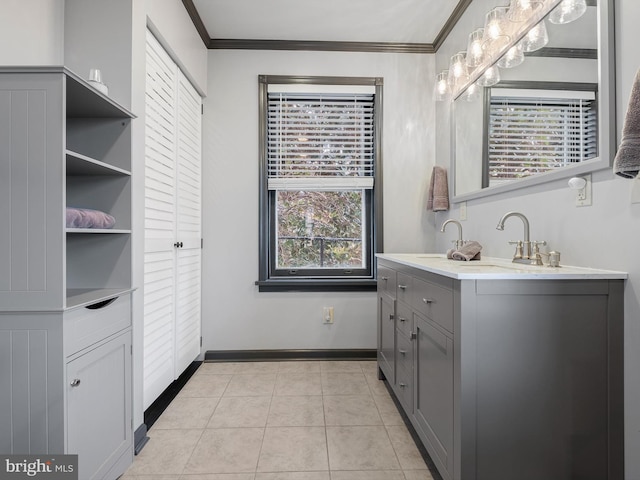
[524,251]
[459,242]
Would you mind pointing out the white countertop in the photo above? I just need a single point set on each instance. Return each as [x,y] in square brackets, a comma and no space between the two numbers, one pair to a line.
[490,268]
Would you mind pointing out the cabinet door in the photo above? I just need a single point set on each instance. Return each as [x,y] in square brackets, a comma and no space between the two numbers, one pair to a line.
[386,336]
[433,390]
[99,407]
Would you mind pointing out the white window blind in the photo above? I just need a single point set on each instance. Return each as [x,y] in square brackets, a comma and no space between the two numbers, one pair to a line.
[320,141]
[534,134]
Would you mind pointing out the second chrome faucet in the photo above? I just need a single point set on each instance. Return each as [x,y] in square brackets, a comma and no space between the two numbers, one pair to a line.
[459,242]
[526,251]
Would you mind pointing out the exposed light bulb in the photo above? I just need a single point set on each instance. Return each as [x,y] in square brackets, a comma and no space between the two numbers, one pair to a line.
[458,72]
[441,89]
[475,52]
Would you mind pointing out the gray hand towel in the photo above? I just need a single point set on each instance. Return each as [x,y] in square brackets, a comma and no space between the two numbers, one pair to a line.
[438,197]
[469,251]
[627,161]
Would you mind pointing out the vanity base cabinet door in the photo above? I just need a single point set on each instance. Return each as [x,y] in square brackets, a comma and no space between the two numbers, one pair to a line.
[99,408]
[386,336]
[433,397]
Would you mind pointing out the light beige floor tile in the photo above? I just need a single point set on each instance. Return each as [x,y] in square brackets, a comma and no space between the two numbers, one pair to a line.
[291,411]
[167,452]
[293,449]
[350,410]
[258,367]
[240,412]
[226,450]
[370,475]
[298,384]
[360,448]
[212,385]
[299,367]
[186,412]
[340,367]
[252,385]
[344,384]
[219,476]
[406,450]
[388,410]
[214,368]
[418,475]
[369,367]
[293,476]
[377,386]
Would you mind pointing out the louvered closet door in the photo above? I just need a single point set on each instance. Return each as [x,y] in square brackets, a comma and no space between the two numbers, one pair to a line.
[172,217]
[189,235]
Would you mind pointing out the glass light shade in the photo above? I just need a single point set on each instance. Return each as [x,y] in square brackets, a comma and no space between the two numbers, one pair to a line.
[441,89]
[496,30]
[458,72]
[536,38]
[490,77]
[521,10]
[513,57]
[568,11]
[475,53]
[472,93]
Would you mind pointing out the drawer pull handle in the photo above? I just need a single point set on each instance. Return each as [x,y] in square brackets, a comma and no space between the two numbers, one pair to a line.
[75,382]
[384,278]
[391,316]
[403,385]
[402,352]
[102,304]
[413,336]
[402,319]
[428,301]
[402,287]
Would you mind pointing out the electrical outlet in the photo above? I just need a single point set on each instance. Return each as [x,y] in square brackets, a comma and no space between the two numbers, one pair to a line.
[327,315]
[583,197]
[463,210]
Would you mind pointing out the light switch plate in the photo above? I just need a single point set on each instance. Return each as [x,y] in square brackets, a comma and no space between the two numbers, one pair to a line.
[463,210]
[635,190]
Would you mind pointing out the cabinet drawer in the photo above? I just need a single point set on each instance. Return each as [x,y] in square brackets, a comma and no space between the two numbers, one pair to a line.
[404,388]
[387,280]
[404,351]
[405,286]
[85,326]
[434,302]
[404,318]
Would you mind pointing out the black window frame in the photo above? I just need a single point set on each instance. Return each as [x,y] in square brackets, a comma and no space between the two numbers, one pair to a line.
[272,280]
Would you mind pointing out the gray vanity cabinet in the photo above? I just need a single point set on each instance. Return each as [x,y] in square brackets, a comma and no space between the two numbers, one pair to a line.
[386,335]
[511,378]
[65,292]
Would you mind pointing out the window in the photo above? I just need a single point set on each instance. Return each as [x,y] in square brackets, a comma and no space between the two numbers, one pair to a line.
[320,195]
[533,131]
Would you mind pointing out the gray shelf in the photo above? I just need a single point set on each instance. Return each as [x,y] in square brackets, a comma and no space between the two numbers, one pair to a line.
[78,164]
[81,297]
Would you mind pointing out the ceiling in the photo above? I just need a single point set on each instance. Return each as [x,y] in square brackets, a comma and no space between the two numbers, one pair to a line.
[370,25]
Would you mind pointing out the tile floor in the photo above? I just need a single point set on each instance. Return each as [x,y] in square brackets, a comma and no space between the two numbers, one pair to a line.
[281,421]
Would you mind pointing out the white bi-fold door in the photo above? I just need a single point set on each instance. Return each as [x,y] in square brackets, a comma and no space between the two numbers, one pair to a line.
[173,159]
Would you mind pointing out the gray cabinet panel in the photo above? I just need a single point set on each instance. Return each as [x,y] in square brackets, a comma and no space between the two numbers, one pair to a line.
[99,406]
[433,408]
[386,336]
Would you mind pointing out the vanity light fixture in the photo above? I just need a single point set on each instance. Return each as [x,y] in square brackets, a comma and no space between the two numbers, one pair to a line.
[490,77]
[568,11]
[536,38]
[458,72]
[513,57]
[472,93]
[475,52]
[521,10]
[496,30]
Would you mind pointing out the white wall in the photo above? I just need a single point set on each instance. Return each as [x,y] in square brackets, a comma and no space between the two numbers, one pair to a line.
[604,235]
[31,32]
[235,314]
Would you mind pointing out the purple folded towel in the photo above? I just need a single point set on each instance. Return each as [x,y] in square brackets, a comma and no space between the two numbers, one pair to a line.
[88,218]
[469,251]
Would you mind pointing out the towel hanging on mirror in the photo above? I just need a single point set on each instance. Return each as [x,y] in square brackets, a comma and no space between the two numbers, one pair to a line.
[627,161]
[438,197]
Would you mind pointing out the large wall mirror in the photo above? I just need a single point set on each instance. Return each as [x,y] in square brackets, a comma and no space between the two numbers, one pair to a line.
[552,116]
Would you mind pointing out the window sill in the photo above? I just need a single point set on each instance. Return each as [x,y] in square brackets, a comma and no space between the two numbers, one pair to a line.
[317,285]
